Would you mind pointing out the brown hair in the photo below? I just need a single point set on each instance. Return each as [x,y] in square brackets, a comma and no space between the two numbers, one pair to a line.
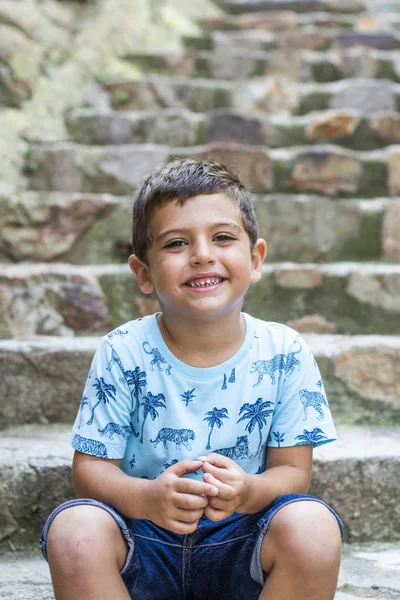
[179,181]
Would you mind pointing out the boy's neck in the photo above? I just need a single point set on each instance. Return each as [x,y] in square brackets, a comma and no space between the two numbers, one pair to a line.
[204,344]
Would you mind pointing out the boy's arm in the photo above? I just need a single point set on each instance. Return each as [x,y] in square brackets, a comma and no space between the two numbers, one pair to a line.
[288,471]
[170,501]
[103,480]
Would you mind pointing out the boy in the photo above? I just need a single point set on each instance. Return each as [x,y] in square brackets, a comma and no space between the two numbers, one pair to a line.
[193,442]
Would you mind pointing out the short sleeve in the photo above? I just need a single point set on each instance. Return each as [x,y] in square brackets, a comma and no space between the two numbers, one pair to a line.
[302,415]
[103,423]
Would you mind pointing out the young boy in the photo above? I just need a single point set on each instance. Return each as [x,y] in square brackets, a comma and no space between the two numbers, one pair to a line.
[193,443]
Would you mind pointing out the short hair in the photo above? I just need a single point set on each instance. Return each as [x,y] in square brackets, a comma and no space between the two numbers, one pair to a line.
[179,181]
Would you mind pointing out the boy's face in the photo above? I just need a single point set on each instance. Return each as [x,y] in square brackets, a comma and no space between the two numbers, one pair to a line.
[199,263]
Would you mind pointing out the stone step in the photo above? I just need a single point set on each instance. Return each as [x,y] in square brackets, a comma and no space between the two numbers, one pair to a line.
[361,376]
[323,169]
[181,127]
[305,66]
[278,95]
[311,37]
[367,571]
[96,228]
[307,6]
[62,299]
[357,476]
[288,21]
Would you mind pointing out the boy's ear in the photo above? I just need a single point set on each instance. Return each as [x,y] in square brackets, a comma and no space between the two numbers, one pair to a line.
[258,255]
[141,271]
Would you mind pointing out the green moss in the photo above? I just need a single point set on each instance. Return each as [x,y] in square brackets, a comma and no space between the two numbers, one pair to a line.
[120,97]
[324,71]
[387,69]
[367,245]
[314,100]
[282,172]
[290,133]
[363,138]
[202,67]
[120,291]
[374,180]
[203,42]
[30,166]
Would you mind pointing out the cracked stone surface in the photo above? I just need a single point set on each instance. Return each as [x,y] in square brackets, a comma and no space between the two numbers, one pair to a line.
[371,571]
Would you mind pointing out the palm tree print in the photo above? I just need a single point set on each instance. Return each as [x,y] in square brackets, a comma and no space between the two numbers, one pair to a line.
[104,392]
[310,437]
[188,396]
[279,437]
[137,379]
[82,404]
[214,417]
[149,408]
[258,414]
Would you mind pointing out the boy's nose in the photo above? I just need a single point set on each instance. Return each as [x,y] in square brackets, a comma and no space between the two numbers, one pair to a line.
[202,253]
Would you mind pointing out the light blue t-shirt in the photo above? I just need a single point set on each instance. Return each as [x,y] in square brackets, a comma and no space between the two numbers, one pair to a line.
[143,405]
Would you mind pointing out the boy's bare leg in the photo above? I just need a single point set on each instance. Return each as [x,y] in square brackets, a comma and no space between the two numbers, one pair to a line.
[86,551]
[301,552]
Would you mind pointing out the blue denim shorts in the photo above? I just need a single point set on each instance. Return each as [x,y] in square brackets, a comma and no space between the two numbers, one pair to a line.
[219,561]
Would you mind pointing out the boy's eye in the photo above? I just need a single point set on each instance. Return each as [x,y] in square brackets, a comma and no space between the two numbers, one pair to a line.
[223,237]
[175,244]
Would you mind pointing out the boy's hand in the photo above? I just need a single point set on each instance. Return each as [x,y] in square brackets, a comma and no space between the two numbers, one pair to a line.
[177,503]
[232,482]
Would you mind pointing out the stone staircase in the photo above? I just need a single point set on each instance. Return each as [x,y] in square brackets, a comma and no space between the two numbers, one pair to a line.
[302,97]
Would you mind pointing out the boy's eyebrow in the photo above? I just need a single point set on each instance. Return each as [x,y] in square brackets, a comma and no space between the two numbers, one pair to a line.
[183,229]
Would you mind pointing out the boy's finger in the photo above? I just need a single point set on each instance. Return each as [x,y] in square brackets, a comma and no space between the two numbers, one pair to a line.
[191,486]
[223,475]
[183,467]
[219,460]
[226,492]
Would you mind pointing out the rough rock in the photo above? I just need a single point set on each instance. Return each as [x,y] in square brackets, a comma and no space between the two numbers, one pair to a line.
[43,361]
[357,62]
[293,278]
[358,298]
[333,124]
[154,91]
[313,228]
[373,373]
[224,41]
[365,95]
[20,63]
[391,230]
[253,165]
[171,126]
[313,324]
[377,290]
[42,227]
[380,41]
[238,64]
[232,126]
[50,300]
[386,126]
[268,95]
[394,170]
[70,168]
[328,170]
[33,22]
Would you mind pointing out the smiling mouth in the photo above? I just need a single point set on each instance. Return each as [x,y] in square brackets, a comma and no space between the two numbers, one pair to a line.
[204,283]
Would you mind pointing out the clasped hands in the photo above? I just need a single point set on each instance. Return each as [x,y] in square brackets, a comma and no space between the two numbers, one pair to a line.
[177,503]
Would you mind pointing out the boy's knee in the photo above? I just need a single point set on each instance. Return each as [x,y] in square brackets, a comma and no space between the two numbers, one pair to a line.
[305,533]
[81,533]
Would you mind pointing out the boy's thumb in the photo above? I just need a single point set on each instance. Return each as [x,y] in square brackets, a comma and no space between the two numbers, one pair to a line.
[185,466]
